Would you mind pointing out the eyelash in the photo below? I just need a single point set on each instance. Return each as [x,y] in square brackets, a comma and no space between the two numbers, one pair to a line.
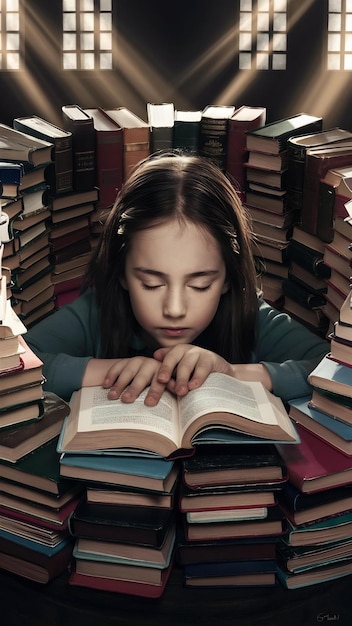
[154,287]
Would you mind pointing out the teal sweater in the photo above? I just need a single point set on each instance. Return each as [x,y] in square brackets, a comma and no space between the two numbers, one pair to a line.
[66,340]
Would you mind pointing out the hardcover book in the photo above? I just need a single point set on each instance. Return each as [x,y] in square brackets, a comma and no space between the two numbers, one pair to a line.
[133,554]
[11,175]
[225,498]
[33,565]
[273,525]
[228,465]
[332,431]
[228,574]
[298,559]
[136,137]
[59,175]
[114,585]
[296,151]
[123,524]
[315,575]
[244,118]
[326,531]
[161,118]
[20,440]
[314,465]
[146,473]
[332,376]
[81,125]
[186,130]
[109,157]
[268,418]
[272,138]
[20,147]
[318,162]
[303,508]
[213,133]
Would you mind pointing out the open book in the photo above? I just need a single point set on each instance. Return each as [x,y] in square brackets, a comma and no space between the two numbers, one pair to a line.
[222,402]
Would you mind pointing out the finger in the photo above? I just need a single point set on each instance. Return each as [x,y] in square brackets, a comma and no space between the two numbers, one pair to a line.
[126,376]
[170,362]
[154,393]
[140,381]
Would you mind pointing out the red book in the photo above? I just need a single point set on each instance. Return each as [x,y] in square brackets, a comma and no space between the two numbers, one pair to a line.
[121,586]
[109,157]
[136,137]
[314,465]
[31,371]
[245,118]
[317,163]
[32,564]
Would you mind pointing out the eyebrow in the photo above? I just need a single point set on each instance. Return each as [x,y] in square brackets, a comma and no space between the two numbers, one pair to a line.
[151,272]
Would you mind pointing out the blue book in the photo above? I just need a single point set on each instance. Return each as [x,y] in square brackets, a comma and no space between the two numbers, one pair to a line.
[10,179]
[314,576]
[143,473]
[37,546]
[329,429]
[332,376]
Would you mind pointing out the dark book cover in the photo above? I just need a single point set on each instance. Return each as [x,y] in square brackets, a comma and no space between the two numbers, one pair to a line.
[32,564]
[22,147]
[306,297]
[161,119]
[295,500]
[230,568]
[193,552]
[310,259]
[19,440]
[213,133]
[129,524]
[39,470]
[186,130]
[273,137]
[230,464]
[81,125]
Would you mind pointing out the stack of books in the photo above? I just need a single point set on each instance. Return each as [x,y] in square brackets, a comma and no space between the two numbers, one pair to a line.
[26,251]
[69,206]
[130,457]
[317,501]
[305,287]
[231,520]
[273,221]
[124,528]
[35,503]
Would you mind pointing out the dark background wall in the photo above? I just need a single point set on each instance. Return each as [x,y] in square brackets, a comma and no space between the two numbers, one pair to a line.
[184,52]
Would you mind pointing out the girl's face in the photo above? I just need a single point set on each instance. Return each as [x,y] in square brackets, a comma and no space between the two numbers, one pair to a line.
[175,276]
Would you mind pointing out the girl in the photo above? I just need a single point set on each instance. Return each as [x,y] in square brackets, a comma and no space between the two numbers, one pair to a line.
[171,295]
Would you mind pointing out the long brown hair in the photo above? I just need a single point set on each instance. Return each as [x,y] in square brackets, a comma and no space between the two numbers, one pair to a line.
[194,189]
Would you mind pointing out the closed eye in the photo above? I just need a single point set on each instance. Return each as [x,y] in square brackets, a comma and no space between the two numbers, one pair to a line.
[150,287]
[200,288]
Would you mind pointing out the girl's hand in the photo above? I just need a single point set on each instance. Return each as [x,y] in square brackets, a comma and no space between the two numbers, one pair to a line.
[127,378]
[186,367]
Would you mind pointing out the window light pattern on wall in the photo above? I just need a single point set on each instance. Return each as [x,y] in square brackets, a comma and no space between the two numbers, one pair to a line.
[263,34]
[340,35]
[10,41]
[87,34]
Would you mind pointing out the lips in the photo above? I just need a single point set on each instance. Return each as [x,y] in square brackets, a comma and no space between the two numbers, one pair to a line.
[173,332]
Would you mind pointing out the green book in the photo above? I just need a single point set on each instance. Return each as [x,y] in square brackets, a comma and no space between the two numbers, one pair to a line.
[39,470]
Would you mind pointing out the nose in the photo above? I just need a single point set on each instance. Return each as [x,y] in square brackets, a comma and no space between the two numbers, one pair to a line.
[174,303]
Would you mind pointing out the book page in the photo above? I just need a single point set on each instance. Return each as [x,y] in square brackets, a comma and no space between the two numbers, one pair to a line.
[98,413]
[223,393]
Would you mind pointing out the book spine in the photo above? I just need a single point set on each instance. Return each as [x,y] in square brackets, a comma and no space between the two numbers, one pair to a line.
[60,174]
[83,152]
[213,140]
[186,136]
[109,165]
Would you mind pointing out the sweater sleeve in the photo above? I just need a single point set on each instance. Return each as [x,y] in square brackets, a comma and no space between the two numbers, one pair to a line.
[288,350]
[65,341]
